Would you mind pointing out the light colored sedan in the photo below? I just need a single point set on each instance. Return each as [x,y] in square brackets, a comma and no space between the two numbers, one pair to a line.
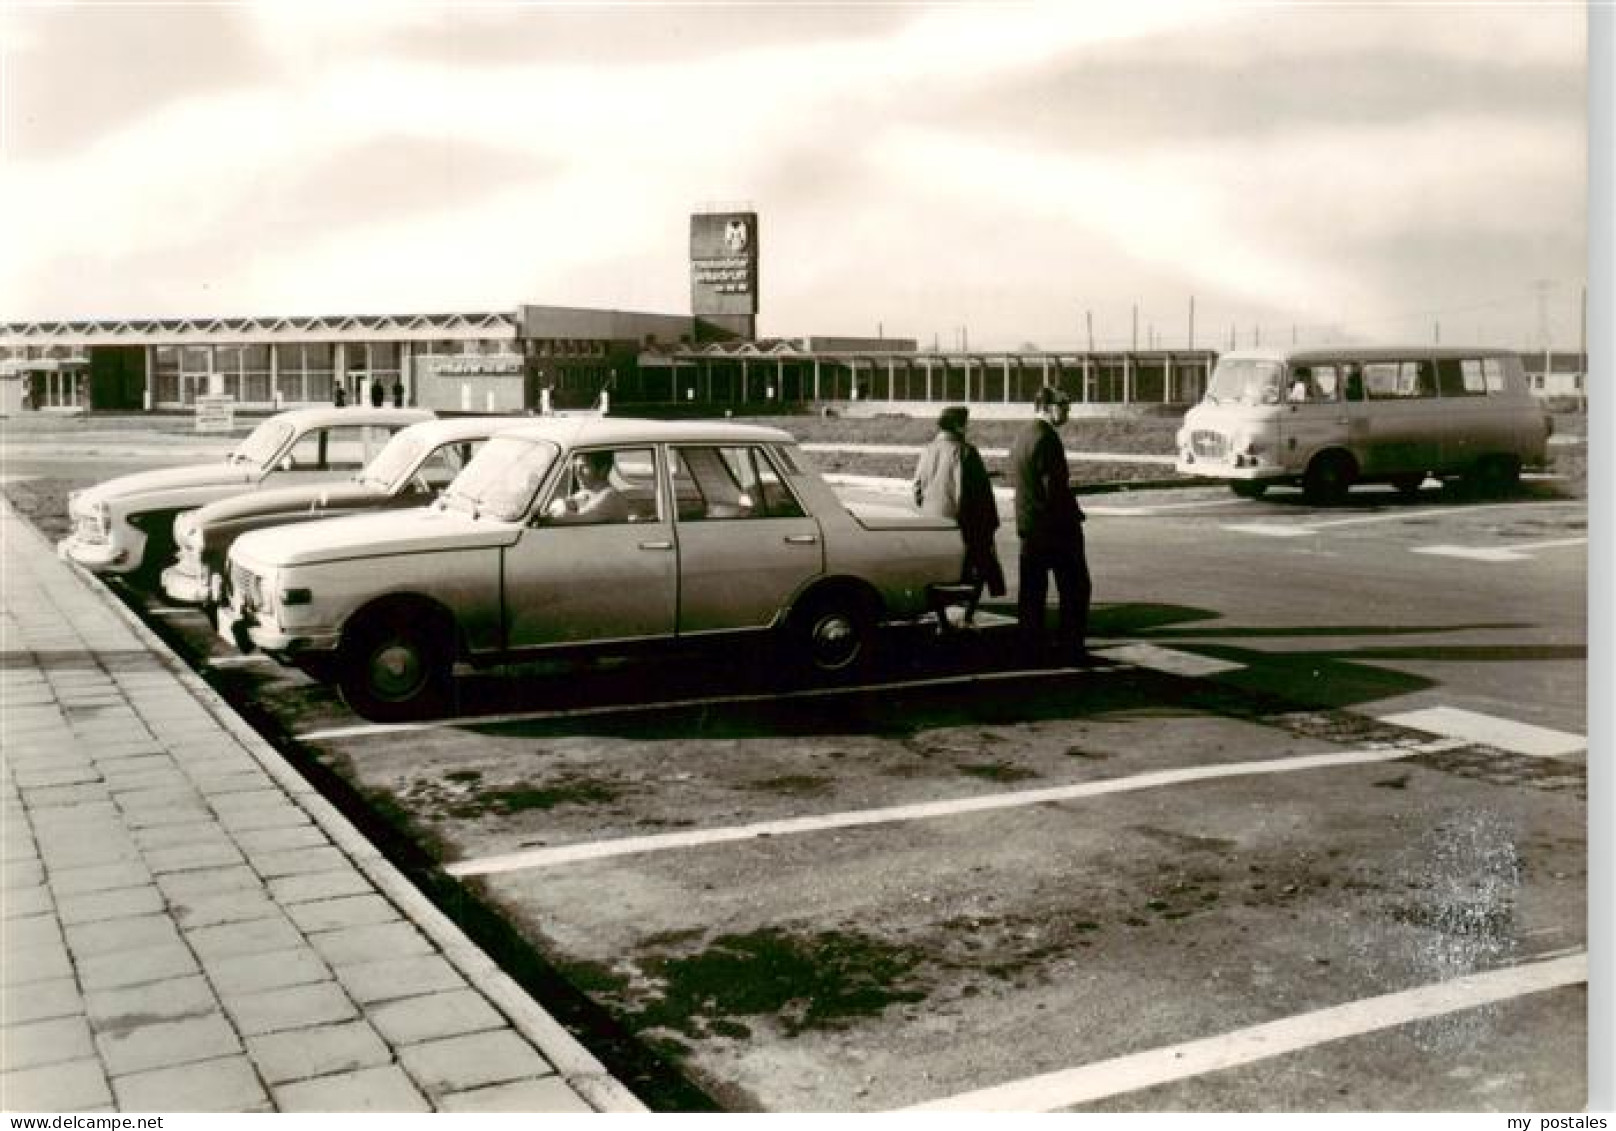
[124,525]
[416,464]
[586,535]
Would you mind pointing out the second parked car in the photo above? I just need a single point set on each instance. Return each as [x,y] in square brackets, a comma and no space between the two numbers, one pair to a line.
[408,472]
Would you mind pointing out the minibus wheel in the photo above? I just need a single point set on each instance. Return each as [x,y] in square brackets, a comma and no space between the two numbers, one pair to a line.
[1249,488]
[1328,478]
[1497,475]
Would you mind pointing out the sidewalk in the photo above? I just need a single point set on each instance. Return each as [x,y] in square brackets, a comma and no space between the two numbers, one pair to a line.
[188,927]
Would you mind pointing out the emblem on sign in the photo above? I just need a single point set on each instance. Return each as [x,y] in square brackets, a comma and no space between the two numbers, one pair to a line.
[735,235]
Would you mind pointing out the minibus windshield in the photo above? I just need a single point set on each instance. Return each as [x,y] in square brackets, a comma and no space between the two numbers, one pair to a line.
[1237,381]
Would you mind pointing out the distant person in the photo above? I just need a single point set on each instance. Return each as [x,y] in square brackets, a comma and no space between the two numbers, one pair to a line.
[937,473]
[951,481]
[1049,522]
[339,396]
[377,394]
[398,394]
[596,500]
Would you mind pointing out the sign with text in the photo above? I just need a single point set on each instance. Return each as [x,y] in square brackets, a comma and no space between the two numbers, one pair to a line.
[723,263]
[215,413]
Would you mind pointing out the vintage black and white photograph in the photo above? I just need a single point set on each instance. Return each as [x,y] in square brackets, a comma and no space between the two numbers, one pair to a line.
[697,557]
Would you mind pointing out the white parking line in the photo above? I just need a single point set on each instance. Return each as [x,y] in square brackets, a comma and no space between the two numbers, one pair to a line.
[921,811]
[983,619]
[1169,660]
[1055,1091]
[1504,734]
[1301,529]
[1519,552]
[238,661]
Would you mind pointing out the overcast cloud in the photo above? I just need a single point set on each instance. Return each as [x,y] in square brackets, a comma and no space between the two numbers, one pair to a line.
[980,173]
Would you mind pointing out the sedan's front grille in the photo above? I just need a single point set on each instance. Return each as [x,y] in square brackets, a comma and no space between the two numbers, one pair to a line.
[1209,445]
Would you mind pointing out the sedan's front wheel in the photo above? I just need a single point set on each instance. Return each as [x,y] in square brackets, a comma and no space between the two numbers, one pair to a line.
[396,668]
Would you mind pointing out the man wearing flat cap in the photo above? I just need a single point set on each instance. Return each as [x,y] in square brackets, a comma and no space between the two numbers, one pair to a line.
[1049,522]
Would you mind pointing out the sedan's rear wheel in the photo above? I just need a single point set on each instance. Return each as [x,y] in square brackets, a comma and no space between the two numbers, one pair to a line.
[396,667]
[832,635]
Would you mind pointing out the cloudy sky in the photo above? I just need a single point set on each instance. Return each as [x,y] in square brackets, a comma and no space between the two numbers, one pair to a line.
[989,174]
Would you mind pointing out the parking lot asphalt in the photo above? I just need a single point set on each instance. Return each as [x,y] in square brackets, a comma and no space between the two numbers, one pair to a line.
[188,926]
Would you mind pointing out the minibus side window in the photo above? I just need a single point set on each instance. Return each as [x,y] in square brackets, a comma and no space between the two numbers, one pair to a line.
[1492,371]
[1399,380]
[1460,378]
[1326,383]
[1354,382]
[1380,380]
[1312,383]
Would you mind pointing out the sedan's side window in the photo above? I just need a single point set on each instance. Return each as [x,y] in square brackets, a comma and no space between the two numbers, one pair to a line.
[344,448]
[606,485]
[728,483]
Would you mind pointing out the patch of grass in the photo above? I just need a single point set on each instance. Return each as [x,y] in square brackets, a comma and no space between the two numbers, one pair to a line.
[802,981]
[995,771]
[798,785]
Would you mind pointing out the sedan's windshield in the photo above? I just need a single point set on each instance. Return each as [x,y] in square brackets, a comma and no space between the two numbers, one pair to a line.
[1237,381]
[393,462]
[502,477]
[262,443]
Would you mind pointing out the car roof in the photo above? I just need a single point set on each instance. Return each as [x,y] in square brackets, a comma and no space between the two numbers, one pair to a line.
[449,429]
[1364,353]
[352,414]
[579,431]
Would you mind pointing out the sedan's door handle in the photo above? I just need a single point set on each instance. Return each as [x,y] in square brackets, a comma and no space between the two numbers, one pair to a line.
[802,539]
[656,545]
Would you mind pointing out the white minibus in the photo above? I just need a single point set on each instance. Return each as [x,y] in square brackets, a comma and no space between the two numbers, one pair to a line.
[1329,418]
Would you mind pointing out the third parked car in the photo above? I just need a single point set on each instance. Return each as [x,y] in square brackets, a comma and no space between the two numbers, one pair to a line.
[408,472]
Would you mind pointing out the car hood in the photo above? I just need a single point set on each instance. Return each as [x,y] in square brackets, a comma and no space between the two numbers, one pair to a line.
[422,530]
[289,500]
[218,474]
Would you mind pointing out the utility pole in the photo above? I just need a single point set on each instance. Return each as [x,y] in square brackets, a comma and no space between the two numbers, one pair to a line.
[1088,316]
[1436,331]
[1136,327]
[1542,286]
[1192,323]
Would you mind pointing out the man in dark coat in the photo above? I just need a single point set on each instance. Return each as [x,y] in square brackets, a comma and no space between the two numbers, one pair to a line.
[1049,522]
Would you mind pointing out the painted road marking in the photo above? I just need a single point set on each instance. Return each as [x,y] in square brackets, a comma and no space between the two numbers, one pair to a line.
[886,485]
[1503,734]
[921,811]
[238,661]
[1055,1091]
[1168,660]
[1307,527]
[1113,511]
[1519,552]
[367,729]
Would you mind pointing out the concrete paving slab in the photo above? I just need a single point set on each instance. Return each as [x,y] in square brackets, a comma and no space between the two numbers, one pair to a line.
[79,1085]
[323,1050]
[387,1088]
[233,934]
[227,1084]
